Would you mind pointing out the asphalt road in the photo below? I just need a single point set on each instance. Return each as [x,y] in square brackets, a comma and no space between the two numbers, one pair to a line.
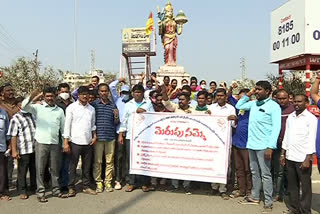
[152,202]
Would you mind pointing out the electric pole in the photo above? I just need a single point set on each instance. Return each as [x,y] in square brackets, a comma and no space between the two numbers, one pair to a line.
[75,37]
[93,61]
[35,68]
[243,68]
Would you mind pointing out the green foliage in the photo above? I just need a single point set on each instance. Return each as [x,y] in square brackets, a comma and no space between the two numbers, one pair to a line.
[109,77]
[245,83]
[292,82]
[25,76]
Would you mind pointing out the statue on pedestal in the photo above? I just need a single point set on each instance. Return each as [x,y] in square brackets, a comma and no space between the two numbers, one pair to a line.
[169,27]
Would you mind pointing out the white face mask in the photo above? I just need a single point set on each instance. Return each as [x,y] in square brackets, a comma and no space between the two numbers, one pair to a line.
[64,95]
[125,97]
[203,86]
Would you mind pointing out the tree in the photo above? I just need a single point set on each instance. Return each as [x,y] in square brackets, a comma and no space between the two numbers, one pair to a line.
[245,83]
[26,75]
[292,82]
[109,77]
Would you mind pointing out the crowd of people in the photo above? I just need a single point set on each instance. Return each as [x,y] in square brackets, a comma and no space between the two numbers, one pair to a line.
[273,140]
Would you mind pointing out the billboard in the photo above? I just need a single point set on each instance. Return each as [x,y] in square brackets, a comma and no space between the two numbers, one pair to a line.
[135,40]
[295,29]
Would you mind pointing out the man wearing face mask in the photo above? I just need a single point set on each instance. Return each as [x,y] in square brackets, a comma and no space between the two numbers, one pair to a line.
[203,85]
[63,101]
[120,152]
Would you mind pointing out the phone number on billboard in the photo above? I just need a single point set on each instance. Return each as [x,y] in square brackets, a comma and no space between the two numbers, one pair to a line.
[290,40]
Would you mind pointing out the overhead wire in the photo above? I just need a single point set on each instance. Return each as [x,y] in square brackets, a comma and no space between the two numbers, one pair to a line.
[11,44]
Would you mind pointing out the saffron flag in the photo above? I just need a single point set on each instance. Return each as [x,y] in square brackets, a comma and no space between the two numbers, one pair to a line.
[149,25]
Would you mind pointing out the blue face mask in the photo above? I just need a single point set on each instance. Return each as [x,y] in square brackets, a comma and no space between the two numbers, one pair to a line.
[125,97]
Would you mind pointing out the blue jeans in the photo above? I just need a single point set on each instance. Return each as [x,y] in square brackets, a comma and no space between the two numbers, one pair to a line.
[258,161]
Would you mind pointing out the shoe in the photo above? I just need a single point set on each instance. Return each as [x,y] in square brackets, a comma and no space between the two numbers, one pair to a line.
[267,209]
[171,188]
[249,201]
[224,196]
[99,188]
[71,193]
[108,187]
[187,190]
[89,191]
[236,194]
[118,186]
[145,189]
[130,188]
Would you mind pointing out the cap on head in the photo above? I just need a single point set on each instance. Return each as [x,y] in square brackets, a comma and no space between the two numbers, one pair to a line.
[125,88]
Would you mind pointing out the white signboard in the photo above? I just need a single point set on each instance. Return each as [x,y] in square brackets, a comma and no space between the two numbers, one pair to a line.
[135,35]
[313,27]
[294,29]
[180,146]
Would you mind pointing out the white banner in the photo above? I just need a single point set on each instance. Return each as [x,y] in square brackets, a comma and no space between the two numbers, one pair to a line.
[180,146]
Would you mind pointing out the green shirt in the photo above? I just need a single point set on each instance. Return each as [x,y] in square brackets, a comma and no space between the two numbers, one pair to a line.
[49,121]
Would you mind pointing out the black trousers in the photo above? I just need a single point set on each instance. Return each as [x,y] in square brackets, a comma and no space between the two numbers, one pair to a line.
[25,163]
[297,176]
[86,157]
[3,174]
[134,180]
[120,161]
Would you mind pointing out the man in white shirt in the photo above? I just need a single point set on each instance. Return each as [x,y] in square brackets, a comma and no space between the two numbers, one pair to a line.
[221,108]
[298,147]
[79,137]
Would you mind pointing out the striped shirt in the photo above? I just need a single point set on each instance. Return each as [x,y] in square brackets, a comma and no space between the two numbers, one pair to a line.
[105,123]
[22,126]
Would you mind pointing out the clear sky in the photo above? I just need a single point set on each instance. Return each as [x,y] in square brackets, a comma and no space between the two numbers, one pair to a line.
[217,35]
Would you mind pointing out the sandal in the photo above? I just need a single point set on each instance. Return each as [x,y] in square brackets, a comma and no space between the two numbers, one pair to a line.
[145,189]
[5,198]
[42,199]
[24,196]
[60,195]
[71,193]
[130,188]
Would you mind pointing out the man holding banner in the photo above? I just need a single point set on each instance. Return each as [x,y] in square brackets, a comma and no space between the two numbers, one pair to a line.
[137,104]
[222,108]
[184,145]
[182,107]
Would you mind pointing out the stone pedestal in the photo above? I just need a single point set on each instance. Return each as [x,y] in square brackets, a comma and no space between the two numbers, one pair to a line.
[174,72]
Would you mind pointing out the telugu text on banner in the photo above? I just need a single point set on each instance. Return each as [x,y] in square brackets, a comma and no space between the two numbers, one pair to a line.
[180,146]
